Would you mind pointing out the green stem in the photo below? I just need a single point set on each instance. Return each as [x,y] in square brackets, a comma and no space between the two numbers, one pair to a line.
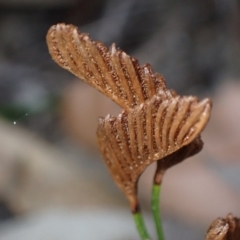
[141,226]
[156,210]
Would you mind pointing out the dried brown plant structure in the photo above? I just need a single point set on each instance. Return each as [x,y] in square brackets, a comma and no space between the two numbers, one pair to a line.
[156,124]
[224,229]
[176,157]
[155,130]
[111,71]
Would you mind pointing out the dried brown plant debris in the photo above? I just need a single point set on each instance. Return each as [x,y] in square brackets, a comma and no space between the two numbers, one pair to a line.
[111,71]
[156,123]
[150,132]
[176,157]
[224,229]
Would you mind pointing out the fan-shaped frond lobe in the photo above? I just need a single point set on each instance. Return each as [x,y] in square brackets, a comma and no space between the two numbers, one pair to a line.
[156,123]
[150,132]
[224,229]
[112,72]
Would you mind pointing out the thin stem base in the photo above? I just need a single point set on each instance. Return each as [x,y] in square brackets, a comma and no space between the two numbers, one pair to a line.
[141,226]
[156,189]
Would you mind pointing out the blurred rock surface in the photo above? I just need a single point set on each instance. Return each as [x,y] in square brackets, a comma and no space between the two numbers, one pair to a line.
[35,175]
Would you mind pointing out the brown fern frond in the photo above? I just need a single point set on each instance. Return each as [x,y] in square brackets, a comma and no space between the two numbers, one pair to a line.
[150,132]
[112,72]
[156,123]
[224,229]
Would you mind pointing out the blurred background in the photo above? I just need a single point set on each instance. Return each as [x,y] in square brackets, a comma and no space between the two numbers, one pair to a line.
[53,182]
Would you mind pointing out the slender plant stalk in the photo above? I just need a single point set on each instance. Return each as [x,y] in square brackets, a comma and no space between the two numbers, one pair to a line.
[138,218]
[141,225]
[156,189]
[156,210]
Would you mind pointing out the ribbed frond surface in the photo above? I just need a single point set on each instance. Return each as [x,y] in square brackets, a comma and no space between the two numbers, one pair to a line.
[147,133]
[156,123]
[111,71]
[224,229]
